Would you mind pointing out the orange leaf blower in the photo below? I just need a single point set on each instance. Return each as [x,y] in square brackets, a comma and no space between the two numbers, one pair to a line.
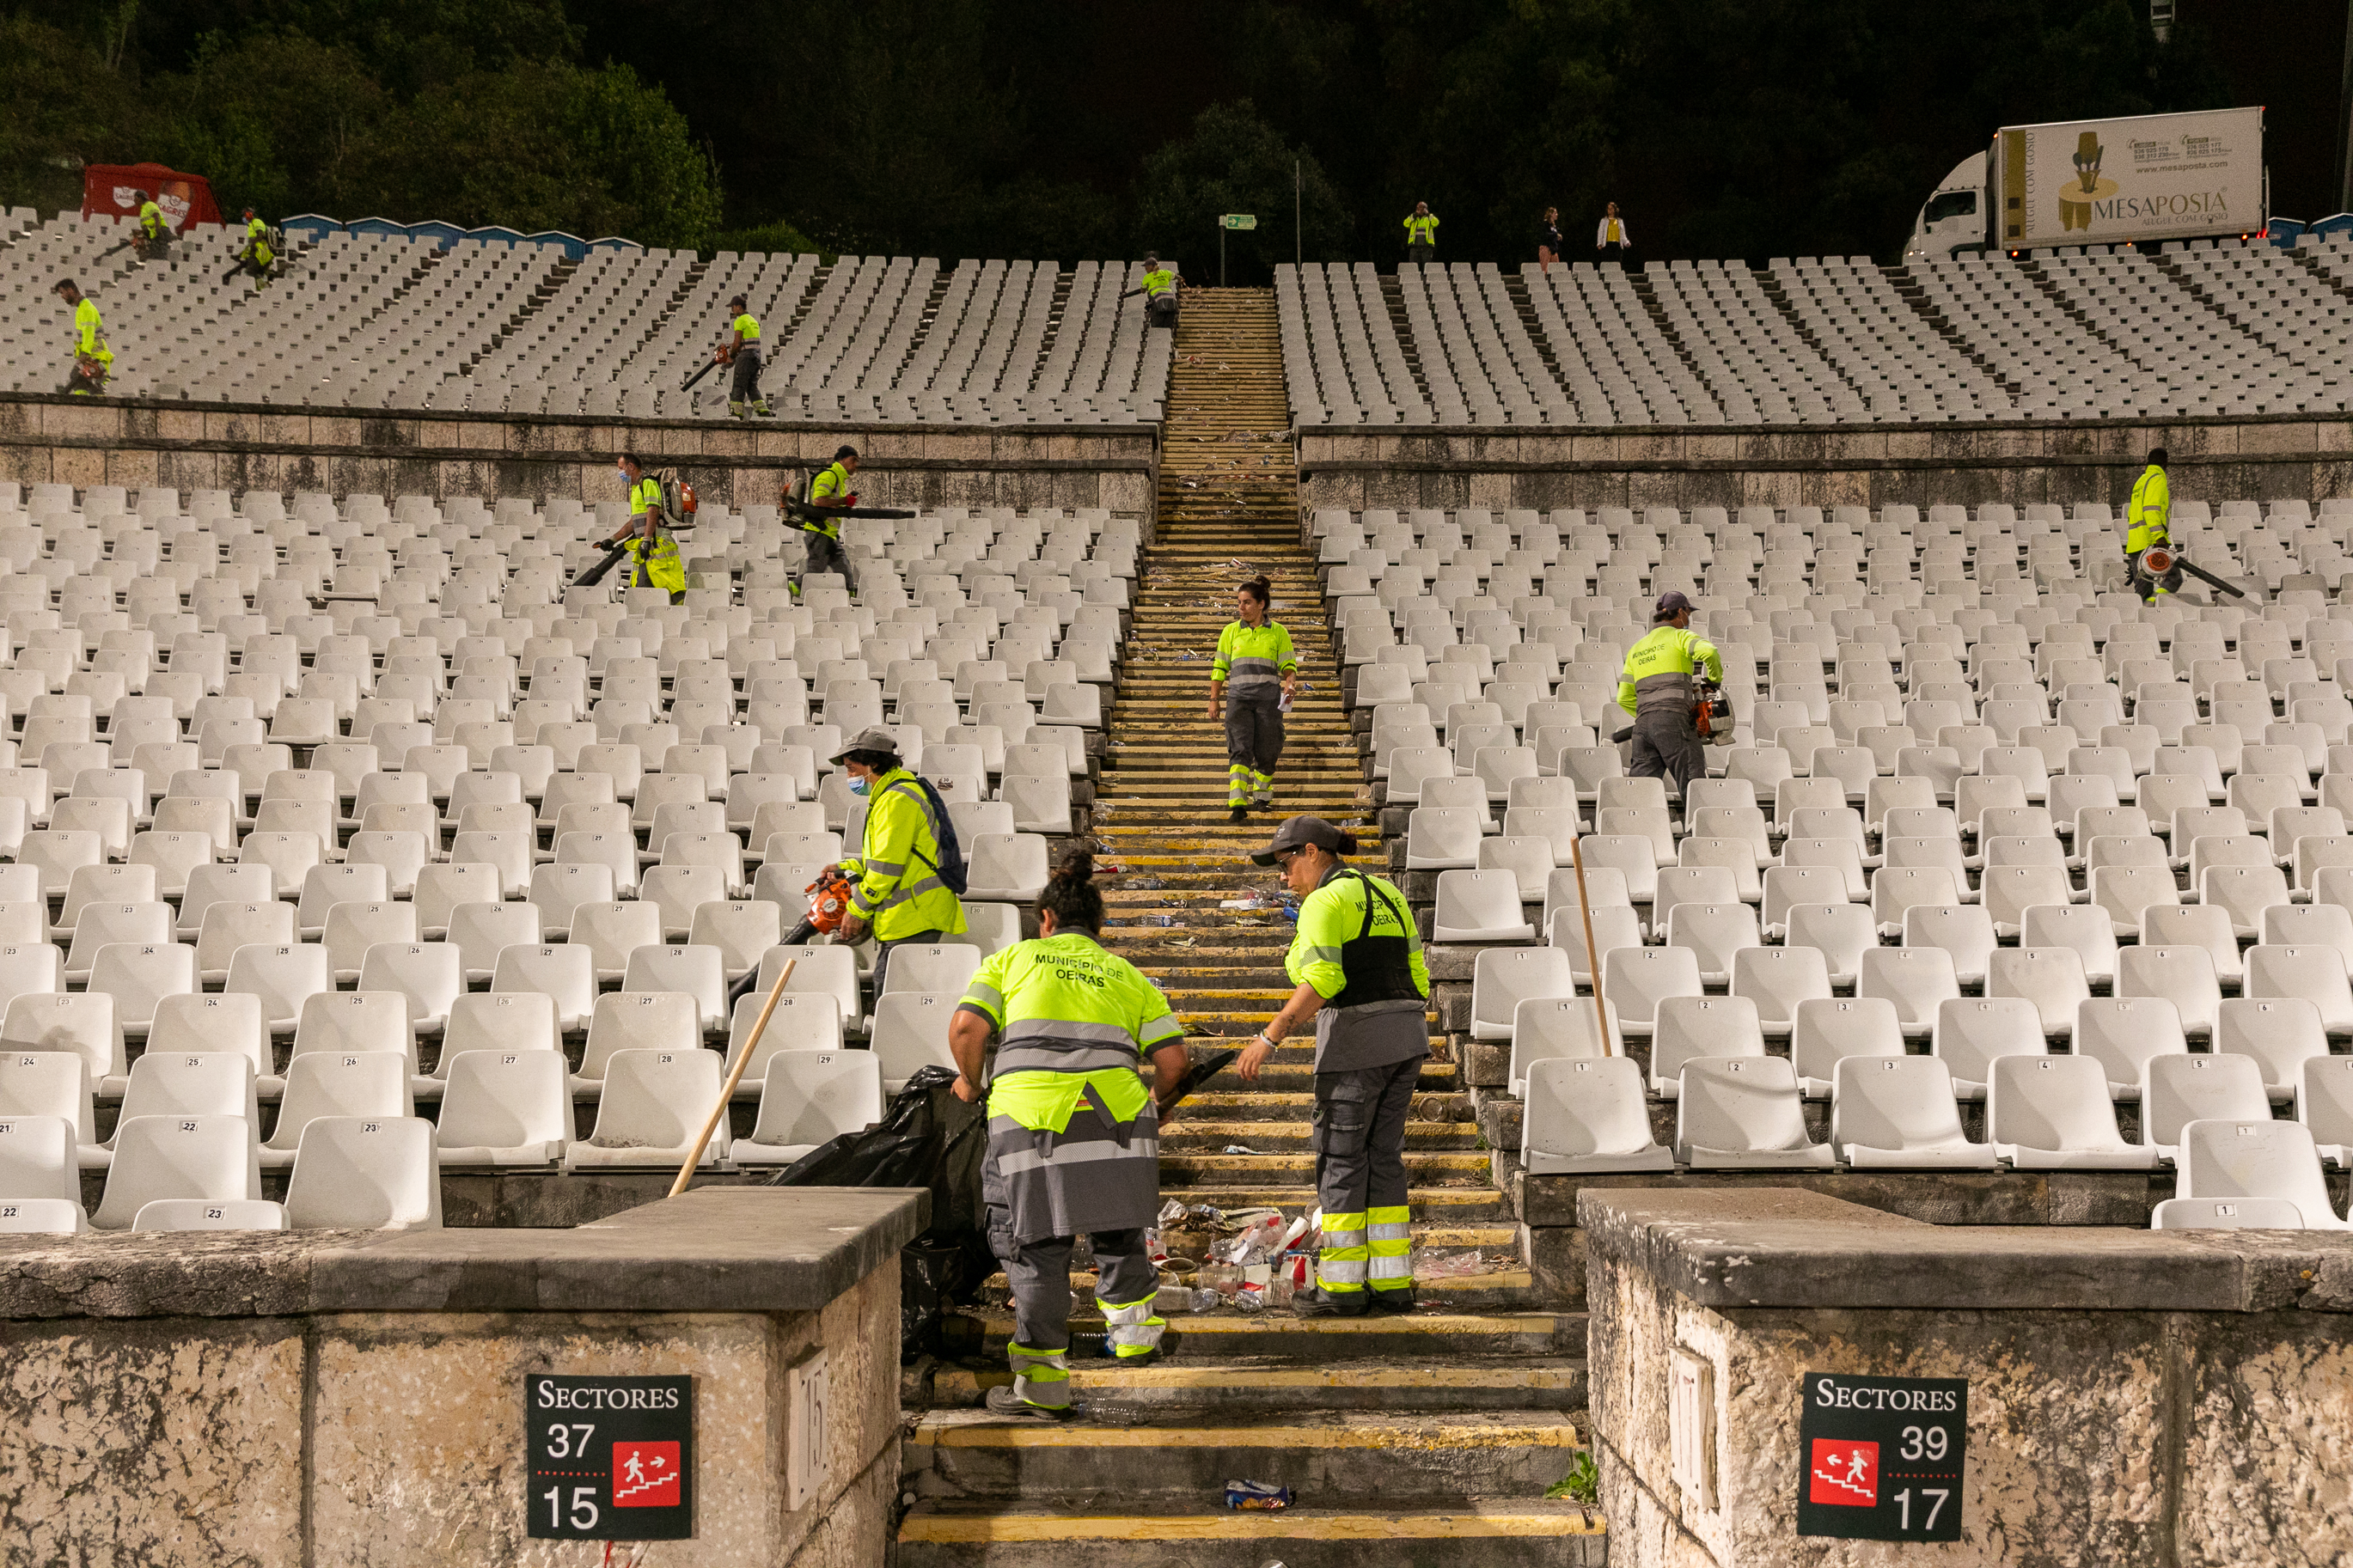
[829,906]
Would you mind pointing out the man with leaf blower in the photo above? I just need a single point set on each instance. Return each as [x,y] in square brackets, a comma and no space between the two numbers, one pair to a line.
[818,515]
[906,879]
[651,543]
[1073,1134]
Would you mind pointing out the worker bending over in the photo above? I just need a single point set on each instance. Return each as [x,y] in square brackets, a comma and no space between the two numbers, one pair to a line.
[255,255]
[1357,958]
[154,242]
[1658,689]
[1159,289]
[653,547]
[830,495]
[744,398]
[896,893]
[2149,522]
[93,362]
[1073,1134]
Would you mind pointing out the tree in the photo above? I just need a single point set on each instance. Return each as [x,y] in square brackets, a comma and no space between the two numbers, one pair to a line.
[64,110]
[1233,162]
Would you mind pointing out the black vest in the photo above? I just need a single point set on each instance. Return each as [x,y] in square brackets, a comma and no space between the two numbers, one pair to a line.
[1375,968]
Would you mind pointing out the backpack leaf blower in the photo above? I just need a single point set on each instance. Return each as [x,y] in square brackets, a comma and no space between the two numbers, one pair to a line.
[2159,560]
[597,573]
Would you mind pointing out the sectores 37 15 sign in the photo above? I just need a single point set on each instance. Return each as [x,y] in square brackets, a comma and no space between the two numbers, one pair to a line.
[1881,1457]
[612,1459]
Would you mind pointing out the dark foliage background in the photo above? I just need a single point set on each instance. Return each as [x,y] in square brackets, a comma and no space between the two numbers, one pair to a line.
[1076,128]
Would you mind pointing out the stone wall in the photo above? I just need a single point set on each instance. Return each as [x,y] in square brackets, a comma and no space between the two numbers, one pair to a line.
[317,1398]
[2136,1397]
[233,447]
[2261,457]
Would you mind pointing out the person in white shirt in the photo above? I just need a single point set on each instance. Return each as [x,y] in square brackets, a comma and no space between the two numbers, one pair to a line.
[1609,237]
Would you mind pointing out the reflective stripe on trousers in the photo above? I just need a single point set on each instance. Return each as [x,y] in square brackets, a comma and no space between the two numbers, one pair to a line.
[1132,1329]
[1341,1264]
[1040,1376]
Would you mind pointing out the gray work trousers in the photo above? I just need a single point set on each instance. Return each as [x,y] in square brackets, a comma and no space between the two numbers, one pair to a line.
[1358,1135]
[1666,746]
[882,953]
[1253,738]
[1040,1275]
[1424,253]
[826,554]
[745,387]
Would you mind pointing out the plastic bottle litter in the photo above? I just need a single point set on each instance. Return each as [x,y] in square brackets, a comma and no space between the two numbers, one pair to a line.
[1238,1149]
[1257,1494]
[1250,1299]
[1252,902]
[1159,919]
[1255,1243]
[1171,1212]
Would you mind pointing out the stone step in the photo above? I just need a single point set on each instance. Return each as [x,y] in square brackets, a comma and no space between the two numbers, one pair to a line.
[1498,1532]
[1241,1387]
[1336,1457]
[1435,1206]
[1441,1167]
[1468,1328]
[1189,1133]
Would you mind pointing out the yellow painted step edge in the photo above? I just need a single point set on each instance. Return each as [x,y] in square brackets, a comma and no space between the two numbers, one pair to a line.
[1292,1525]
[933,1432]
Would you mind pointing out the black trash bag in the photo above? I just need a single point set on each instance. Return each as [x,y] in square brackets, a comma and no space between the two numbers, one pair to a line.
[927,1138]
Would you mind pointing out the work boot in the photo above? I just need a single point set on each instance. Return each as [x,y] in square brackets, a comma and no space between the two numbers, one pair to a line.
[1392,1301]
[763,410]
[1239,814]
[1317,1302]
[736,410]
[1002,1400]
[1263,799]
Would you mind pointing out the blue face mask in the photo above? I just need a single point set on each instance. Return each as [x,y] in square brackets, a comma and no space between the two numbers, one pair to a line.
[859,786]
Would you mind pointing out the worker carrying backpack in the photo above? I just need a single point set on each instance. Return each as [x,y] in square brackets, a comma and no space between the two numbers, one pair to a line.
[950,865]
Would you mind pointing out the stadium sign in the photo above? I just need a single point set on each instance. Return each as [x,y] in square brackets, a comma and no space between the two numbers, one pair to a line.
[1240,220]
[612,1459]
[1881,1457]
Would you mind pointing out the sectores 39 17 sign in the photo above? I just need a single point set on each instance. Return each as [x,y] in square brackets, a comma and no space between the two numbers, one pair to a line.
[1881,1457]
[612,1459]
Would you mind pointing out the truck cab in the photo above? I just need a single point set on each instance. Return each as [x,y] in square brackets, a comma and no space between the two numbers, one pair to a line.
[1954,218]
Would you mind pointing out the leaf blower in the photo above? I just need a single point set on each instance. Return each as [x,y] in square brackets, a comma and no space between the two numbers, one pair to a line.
[724,354]
[829,906]
[1712,715]
[2160,560]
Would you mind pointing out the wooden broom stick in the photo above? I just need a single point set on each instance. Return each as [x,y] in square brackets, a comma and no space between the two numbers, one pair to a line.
[1592,958]
[735,1077]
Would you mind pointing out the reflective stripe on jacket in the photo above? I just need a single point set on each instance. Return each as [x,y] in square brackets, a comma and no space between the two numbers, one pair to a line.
[1251,657]
[1073,1136]
[831,485]
[894,878]
[1422,229]
[1658,670]
[657,560]
[89,331]
[2150,517]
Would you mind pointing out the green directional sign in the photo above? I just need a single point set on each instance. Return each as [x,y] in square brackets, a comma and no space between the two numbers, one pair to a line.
[1240,220]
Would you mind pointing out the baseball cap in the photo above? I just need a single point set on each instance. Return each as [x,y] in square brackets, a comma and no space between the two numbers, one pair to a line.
[1300,833]
[1671,603]
[874,740]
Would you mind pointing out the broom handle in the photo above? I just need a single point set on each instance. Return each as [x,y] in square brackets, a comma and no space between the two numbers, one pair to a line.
[1592,958]
[735,1077]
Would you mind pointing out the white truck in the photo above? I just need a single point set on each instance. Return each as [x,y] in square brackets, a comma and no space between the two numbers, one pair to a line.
[2101,181]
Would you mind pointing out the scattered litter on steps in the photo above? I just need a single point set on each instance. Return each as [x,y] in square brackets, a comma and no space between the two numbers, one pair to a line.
[1237,1148]
[1258,1496]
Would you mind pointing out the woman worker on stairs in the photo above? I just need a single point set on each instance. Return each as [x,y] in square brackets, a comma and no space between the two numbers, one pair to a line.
[1074,1134]
[1254,679]
[1358,960]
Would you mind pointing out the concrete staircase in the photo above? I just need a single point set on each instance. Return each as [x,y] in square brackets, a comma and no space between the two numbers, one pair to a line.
[1425,1439]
